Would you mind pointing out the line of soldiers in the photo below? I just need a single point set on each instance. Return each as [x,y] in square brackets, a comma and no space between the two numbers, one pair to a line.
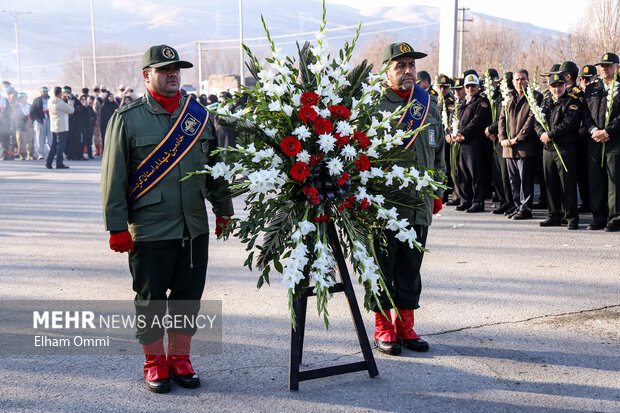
[498,145]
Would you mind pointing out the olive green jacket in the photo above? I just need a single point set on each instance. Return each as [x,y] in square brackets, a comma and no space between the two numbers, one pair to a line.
[427,149]
[133,132]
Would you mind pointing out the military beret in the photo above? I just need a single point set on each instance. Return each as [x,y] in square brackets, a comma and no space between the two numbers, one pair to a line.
[162,55]
[588,71]
[402,49]
[608,58]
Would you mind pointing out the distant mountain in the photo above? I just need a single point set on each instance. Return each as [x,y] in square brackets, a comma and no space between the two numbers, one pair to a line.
[56,28]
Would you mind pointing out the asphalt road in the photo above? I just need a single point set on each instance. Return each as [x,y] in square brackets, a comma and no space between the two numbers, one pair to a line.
[519,318]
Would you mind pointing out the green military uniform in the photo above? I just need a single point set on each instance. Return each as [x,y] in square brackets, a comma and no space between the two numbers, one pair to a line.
[399,263]
[169,223]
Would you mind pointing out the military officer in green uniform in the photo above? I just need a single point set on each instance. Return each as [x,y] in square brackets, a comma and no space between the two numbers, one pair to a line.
[459,93]
[159,220]
[399,263]
[603,166]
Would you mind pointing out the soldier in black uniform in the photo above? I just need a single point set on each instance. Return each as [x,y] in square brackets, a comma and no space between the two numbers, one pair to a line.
[604,180]
[562,111]
[447,102]
[474,116]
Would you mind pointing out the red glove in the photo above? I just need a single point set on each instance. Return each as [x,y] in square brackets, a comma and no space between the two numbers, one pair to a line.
[121,242]
[437,206]
[221,223]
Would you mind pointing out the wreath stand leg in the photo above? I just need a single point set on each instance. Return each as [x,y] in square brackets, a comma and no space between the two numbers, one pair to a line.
[297,336]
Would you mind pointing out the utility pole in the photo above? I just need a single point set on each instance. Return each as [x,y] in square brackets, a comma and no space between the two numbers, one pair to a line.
[14,13]
[199,68]
[462,31]
[92,27]
[241,69]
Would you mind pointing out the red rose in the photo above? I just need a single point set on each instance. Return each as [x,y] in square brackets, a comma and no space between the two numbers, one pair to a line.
[305,190]
[351,199]
[322,125]
[346,175]
[361,139]
[290,146]
[362,163]
[309,99]
[340,207]
[341,181]
[315,199]
[300,171]
[340,112]
[341,140]
[316,159]
[307,114]
[313,191]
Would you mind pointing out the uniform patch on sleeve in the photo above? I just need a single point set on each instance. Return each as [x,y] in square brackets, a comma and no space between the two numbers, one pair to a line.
[573,107]
[451,107]
[484,104]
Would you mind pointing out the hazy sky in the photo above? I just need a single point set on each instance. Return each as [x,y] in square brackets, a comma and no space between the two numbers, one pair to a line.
[564,14]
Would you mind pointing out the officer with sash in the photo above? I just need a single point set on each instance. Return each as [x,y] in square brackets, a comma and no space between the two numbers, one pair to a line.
[399,263]
[151,144]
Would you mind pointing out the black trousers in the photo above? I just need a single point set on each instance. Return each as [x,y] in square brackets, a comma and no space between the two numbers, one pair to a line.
[501,178]
[521,172]
[604,181]
[561,185]
[158,266]
[401,268]
[471,175]
[582,172]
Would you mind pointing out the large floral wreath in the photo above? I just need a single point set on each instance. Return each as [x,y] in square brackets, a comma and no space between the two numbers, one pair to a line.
[314,147]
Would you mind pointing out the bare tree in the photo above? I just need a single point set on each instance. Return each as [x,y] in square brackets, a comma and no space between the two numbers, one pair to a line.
[602,23]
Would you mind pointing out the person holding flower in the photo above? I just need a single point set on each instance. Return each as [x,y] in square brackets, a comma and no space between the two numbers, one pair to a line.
[399,263]
[602,119]
[151,143]
[562,114]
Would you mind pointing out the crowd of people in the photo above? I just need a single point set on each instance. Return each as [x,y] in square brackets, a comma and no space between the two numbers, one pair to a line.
[498,147]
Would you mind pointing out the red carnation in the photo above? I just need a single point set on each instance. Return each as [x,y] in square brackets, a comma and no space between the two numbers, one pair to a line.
[362,163]
[351,198]
[307,114]
[346,175]
[309,99]
[340,207]
[300,171]
[340,112]
[305,190]
[365,204]
[290,146]
[322,125]
[316,159]
[315,199]
[361,139]
[341,140]
[313,191]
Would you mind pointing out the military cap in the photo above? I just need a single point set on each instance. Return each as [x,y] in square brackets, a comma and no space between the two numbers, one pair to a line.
[493,73]
[469,72]
[401,49]
[444,80]
[554,69]
[471,79]
[43,89]
[162,55]
[66,89]
[556,78]
[423,75]
[608,58]
[6,82]
[587,71]
[458,83]
[568,66]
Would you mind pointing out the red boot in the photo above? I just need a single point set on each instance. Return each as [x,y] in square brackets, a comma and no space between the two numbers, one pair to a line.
[406,335]
[156,367]
[178,359]
[385,336]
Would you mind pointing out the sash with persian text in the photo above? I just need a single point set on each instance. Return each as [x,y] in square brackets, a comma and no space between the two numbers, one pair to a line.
[415,116]
[177,143]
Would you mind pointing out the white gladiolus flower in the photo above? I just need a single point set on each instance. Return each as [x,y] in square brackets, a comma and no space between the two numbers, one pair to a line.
[335,167]
[387,214]
[376,172]
[408,236]
[372,153]
[326,142]
[275,106]
[271,132]
[296,99]
[218,170]
[364,177]
[306,227]
[324,113]
[266,180]
[288,109]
